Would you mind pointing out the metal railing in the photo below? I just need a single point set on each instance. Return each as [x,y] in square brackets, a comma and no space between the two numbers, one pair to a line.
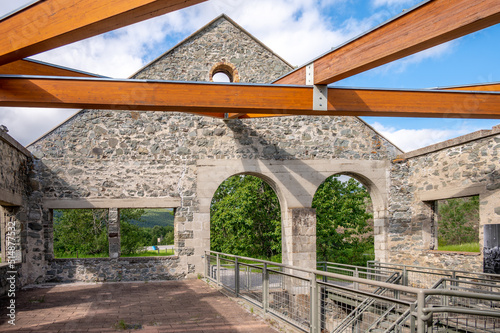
[318,301]
[425,277]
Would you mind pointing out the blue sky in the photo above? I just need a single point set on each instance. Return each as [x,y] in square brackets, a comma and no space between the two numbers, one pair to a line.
[298,30]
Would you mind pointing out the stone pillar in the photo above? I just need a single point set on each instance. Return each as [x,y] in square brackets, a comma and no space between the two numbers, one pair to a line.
[299,238]
[114,233]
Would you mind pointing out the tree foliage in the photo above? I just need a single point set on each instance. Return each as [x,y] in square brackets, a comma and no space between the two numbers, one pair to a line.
[245,218]
[84,231]
[458,221]
[343,234]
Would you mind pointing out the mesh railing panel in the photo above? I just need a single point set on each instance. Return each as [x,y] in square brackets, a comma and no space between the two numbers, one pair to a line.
[289,297]
[344,304]
[250,282]
[349,311]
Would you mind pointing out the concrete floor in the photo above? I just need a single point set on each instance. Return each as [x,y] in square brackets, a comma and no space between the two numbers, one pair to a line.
[171,306]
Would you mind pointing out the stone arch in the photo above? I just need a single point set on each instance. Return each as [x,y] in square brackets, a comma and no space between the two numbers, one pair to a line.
[377,190]
[226,68]
[268,180]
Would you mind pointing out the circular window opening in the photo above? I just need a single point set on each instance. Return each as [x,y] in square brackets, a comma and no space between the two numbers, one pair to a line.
[224,72]
[221,77]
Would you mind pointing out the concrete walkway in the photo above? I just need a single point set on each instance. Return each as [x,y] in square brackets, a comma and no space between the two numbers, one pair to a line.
[171,306]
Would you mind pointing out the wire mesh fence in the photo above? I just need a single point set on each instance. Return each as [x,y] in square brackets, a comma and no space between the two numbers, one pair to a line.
[344,298]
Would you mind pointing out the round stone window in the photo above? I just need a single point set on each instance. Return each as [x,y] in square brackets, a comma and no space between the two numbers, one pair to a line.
[224,72]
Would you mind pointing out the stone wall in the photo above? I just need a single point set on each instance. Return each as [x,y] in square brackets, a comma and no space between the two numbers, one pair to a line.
[464,166]
[20,211]
[14,166]
[114,270]
[153,156]
[7,282]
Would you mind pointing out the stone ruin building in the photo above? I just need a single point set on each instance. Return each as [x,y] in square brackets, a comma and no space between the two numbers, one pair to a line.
[130,159]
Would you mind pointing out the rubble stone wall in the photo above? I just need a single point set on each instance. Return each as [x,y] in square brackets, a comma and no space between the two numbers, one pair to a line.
[461,167]
[119,155]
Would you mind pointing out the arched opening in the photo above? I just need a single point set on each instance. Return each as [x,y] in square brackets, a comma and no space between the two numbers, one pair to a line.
[221,77]
[245,218]
[344,221]
[224,72]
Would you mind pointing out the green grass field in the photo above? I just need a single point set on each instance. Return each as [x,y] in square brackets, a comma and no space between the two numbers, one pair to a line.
[105,255]
[468,247]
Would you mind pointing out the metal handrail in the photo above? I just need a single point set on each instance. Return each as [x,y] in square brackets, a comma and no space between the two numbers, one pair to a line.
[382,264]
[423,313]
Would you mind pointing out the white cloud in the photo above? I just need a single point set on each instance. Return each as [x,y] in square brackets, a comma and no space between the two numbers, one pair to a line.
[394,3]
[411,139]
[28,124]
[297,30]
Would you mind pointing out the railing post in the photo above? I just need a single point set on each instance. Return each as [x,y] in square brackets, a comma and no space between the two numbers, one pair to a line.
[405,276]
[207,263]
[249,278]
[423,320]
[236,277]
[356,275]
[218,270]
[265,288]
[412,318]
[314,305]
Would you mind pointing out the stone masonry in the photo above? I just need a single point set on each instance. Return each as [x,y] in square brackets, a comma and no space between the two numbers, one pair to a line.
[128,159]
[158,157]
[464,166]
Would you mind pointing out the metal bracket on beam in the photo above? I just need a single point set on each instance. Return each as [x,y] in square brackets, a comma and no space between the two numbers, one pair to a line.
[320,92]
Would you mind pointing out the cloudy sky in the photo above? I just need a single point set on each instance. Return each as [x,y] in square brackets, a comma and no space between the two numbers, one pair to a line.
[298,30]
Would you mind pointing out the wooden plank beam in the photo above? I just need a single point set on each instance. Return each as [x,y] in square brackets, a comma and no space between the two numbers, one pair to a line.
[31,67]
[52,23]
[476,87]
[430,24]
[218,99]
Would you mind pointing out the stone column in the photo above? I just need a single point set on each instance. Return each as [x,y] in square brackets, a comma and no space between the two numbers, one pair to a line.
[299,238]
[114,233]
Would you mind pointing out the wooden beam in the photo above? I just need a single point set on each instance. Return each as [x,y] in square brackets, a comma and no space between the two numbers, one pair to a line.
[430,24]
[476,87]
[218,99]
[31,67]
[52,23]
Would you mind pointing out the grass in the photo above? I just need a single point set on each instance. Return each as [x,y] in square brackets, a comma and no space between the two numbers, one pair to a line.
[151,254]
[468,247]
[73,255]
[106,255]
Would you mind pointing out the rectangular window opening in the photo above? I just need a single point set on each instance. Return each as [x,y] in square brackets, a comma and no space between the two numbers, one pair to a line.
[147,232]
[80,233]
[458,224]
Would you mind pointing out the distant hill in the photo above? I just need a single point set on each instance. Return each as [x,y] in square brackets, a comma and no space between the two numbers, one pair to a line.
[161,216]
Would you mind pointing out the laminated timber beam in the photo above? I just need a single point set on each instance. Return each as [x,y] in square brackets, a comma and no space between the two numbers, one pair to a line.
[52,23]
[477,87]
[213,98]
[432,23]
[33,67]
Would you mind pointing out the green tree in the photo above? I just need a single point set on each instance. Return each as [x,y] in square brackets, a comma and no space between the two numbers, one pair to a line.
[82,231]
[343,234]
[458,221]
[245,218]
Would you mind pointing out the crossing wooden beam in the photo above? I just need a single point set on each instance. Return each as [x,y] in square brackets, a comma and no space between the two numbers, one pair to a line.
[432,23]
[219,99]
[33,67]
[52,23]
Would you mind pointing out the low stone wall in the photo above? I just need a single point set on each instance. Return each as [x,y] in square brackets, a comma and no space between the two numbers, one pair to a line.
[114,270]
[4,275]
